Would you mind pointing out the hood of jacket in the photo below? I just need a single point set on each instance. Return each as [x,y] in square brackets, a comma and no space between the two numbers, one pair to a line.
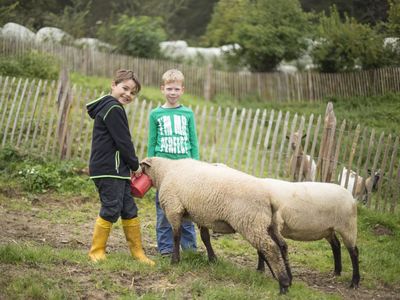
[96,106]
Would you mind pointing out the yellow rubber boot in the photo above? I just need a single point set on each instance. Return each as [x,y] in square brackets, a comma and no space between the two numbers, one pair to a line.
[134,239]
[101,232]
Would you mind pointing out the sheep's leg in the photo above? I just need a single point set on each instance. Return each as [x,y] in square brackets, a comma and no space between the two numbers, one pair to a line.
[174,213]
[277,271]
[283,247]
[353,251]
[205,237]
[337,257]
[175,258]
[268,248]
[261,265]
[274,230]
[259,238]
[176,221]
[263,257]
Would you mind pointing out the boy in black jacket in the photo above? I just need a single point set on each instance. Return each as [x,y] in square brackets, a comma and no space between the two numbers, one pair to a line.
[112,159]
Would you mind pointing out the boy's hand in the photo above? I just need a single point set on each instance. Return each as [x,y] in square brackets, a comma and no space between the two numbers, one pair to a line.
[138,172]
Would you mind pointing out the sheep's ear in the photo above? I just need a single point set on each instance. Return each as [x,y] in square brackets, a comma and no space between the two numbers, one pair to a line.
[288,137]
[146,162]
[304,135]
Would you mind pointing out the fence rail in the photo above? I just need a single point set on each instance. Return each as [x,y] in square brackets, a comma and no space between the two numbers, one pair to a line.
[50,118]
[209,83]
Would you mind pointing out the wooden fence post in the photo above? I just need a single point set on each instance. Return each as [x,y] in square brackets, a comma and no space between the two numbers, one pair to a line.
[64,99]
[208,83]
[326,155]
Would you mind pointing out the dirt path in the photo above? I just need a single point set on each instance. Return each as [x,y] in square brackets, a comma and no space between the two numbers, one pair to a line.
[25,226]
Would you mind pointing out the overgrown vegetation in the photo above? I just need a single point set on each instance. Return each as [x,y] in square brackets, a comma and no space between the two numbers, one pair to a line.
[37,174]
[139,36]
[32,64]
[347,45]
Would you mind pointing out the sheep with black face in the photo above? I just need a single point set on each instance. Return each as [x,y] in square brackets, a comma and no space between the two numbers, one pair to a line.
[310,211]
[222,199]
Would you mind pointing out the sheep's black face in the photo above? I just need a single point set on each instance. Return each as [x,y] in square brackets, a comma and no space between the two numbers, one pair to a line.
[377,177]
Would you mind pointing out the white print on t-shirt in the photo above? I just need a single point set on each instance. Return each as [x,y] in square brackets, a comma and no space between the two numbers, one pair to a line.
[174,136]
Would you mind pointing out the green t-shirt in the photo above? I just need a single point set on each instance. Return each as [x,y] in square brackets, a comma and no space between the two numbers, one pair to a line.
[172,133]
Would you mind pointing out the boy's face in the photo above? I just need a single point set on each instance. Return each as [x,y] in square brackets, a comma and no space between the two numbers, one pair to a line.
[172,92]
[124,91]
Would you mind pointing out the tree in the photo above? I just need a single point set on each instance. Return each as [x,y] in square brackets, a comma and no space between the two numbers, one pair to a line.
[181,18]
[7,12]
[190,21]
[393,24]
[364,11]
[29,13]
[73,18]
[139,36]
[346,45]
[270,31]
[226,14]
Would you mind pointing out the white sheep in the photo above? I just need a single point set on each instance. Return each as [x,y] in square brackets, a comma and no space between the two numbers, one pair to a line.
[310,211]
[309,165]
[221,199]
[361,186]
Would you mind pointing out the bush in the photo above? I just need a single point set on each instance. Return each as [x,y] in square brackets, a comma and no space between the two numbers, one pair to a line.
[32,64]
[346,45]
[10,67]
[37,174]
[139,36]
[9,156]
[39,178]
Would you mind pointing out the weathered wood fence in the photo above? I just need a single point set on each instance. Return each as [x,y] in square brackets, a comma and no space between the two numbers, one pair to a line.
[51,119]
[208,83]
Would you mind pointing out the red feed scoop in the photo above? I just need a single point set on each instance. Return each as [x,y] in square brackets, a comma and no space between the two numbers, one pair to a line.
[140,185]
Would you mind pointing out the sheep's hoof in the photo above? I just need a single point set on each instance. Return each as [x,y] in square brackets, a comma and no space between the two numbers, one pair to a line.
[353,286]
[260,269]
[174,260]
[212,259]
[283,290]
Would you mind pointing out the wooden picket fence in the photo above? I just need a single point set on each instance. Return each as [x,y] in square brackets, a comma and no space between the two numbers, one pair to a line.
[209,83]
[50,118]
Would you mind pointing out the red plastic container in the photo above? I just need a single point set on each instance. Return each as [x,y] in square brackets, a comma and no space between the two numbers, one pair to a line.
[140,185]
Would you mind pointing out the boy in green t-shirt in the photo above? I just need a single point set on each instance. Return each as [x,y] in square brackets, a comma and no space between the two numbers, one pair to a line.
[172,134]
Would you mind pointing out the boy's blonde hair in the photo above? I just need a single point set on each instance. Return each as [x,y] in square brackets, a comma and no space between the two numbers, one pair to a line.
[122,75]
[172,75]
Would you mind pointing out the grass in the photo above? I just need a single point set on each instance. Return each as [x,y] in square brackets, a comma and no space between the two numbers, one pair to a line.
[34,276]
[39,268]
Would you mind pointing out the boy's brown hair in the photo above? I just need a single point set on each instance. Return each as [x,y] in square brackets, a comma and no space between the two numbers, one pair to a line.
[123,74]
[172,75]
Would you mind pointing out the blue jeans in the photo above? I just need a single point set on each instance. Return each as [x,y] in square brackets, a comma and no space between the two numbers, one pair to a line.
[165,240]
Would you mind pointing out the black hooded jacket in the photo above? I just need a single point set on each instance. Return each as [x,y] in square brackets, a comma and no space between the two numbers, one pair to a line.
[113,153]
